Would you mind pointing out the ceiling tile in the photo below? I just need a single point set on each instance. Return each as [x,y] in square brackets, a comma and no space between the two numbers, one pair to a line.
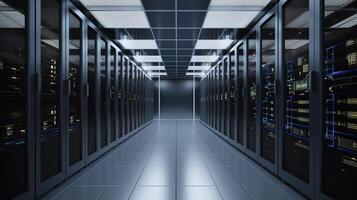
[213,44]
[241,3]
[190,19]
[166,44]
[192,4]
[164,34]
[186,44]
[161,19]
[158,4]
[187,33]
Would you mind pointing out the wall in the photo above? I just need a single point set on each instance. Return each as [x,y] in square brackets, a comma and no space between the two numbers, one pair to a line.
[176,99]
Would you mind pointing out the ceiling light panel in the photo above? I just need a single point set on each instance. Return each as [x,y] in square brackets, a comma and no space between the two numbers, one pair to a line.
[199,68]
[118,19]
[200,74]
[213,44]
[242,3]
[229,19]
[138,44]
[211,58]
[152,68]
[111,2]
[148,58]
[157,74]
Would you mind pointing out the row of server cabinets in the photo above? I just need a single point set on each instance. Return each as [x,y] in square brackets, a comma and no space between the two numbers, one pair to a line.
[285,95]
[68,95]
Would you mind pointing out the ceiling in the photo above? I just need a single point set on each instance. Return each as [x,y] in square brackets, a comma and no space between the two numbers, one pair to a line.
[175,34]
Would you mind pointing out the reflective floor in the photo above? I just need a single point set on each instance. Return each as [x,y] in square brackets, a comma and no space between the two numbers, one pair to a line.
[174,159]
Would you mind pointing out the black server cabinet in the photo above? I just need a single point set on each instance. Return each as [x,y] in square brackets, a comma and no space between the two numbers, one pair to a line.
[268,137]
[112,70]
[17,108]
[251,93]
[130,96]
[338,136]
[220,96]
[239,122]
[232,108]
[224,106]
[92,91]
[103,92]
[50,94]
[217,99]
[120,95]
[125,95]
[74,81]
[295,152]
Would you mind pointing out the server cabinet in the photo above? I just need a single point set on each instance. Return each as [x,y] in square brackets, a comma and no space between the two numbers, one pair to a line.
[251,95]
[120,95]
[338,136]
[103,92]
[224,106]
[295,152]
[125,94]
[112,92]
[130,96]
[93,130]
[239,95]
[210,99]
[74,81]
[220,96]
[232,108]
[217,99]
[135,105]
[16,104]
[268,77]
[50,96]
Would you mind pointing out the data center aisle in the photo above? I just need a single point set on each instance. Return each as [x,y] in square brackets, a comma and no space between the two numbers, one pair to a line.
[175,159]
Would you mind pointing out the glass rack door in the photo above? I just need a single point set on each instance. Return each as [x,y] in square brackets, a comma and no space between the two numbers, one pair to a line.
[296,70]
[75,85]
[103,93]
[339,72]
[13,125]
[50,136]
[92,89]
[252,107]
[268,71]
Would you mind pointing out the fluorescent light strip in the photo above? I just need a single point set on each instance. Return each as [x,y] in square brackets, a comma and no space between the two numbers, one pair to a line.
[157,74]
[211,58]
[152,68]
[213,44]
[199,68]
[148,58]
[199,74]
[138,44]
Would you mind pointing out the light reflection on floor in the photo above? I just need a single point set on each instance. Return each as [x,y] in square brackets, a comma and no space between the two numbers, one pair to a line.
[175,160]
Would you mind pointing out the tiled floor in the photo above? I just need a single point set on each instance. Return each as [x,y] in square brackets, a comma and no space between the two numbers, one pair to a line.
[175,159]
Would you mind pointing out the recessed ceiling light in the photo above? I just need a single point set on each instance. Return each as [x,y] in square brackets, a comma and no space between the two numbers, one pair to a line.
[152,74]
[111,2]
[213,44]
[152,68]
[138,44]
[223,19]
[211,58]
[199,68]
[119,19]
[148,58]
[200,74]
[241,3]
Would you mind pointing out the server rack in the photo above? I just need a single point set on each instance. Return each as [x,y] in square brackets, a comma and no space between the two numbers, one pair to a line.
[64,65]
[268,119]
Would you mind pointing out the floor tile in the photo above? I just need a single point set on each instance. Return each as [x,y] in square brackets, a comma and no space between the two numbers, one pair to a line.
[116,193]
[199,192]
[153,193]
[81,193]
